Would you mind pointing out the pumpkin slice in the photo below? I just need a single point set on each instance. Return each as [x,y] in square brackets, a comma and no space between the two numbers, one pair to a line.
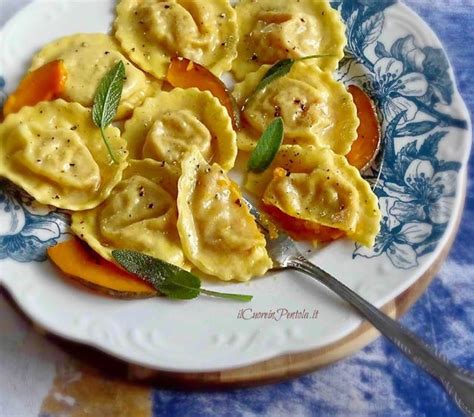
[300,229]
[44,84]
[81,263]
[184,73]
[366,147]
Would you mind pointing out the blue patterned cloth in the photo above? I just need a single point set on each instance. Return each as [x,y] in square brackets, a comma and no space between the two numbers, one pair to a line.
[378,381]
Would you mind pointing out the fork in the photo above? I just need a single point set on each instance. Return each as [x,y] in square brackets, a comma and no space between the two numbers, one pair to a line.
[459,383]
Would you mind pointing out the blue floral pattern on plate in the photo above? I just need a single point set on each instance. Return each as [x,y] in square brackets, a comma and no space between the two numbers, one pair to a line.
[27,228]
[409,84]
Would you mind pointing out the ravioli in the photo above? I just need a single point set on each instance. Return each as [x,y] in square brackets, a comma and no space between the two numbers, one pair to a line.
[316,109]
[272,30]
[140,215]
[170,124]
[318,185]
[56,154]
[87,58]
[218,233]
[153,31]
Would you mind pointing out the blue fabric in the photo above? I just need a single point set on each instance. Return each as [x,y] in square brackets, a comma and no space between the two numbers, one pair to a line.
[379,381]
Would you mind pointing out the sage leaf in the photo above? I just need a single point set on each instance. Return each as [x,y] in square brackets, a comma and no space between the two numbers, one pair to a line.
[168,279]
[267,147]
[280,69]
[235,297]
[181,285]
[107,100]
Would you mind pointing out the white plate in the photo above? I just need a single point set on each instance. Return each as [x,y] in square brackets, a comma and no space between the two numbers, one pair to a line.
[421,195]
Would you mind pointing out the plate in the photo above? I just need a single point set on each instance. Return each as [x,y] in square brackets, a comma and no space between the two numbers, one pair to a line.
[394,56]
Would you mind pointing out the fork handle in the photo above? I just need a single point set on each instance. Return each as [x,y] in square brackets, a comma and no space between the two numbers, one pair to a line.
[458,383]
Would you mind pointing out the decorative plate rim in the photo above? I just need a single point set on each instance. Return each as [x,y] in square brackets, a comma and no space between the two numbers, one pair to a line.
[102,341]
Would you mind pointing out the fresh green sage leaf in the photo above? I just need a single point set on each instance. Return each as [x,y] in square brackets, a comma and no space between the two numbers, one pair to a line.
[280,69]
[168,279]
[181,285]
[267,147]
[236,297]
[306,58]
[107,100]
[143,266]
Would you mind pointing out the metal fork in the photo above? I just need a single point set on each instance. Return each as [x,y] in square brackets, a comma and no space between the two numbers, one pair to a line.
[459,383]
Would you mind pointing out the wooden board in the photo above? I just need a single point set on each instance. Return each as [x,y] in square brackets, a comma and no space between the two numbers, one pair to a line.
[266,372]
